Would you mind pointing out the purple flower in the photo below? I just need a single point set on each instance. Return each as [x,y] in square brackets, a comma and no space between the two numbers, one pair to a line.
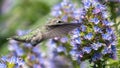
[57,7]
[76,13]
[36,50]
[4,58]
[2,65]
[95,20]
[73,43]
[63,8]
[28,45]
[73,53]
[114,56]
[113,48]
[113,42]
[32,57]
[22,32]
[89,36]
[51,43]
[19,52]
[114,52]
[37,66]
[13,45]
[68,6]
[107,23]
[96,56]
[56,10]
[77,40]
[83,28]
[75,33]
[94,46]
[12,60]
[106,50]
[56,14]
[101,7]
[97,29]
[106,36]
[87,49]
[41,60]
[87,4]
[109,31]
[64,18]
[80,54]
[20,62]
[105,14]
[61,49]
[98,8]
[64,40]
[99,44]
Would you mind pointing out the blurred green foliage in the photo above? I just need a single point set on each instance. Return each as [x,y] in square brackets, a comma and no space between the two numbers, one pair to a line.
[114,8]
[23,13]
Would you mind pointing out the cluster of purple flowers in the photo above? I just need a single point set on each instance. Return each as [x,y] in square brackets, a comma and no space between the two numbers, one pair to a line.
[94,39]
[11,62]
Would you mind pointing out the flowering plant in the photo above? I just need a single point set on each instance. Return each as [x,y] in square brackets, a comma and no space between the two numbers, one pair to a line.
[94,40]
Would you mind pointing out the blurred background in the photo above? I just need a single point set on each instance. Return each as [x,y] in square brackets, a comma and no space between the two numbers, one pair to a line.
[16,15]
[21,15]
